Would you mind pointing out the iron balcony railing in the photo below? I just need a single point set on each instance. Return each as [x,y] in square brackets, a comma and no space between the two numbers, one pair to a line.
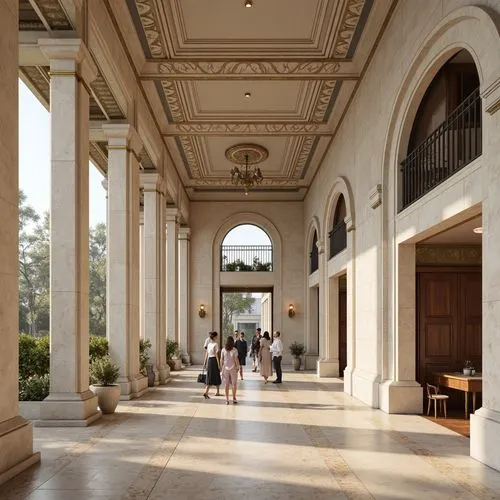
[454,144]
[314,260]
[246,258]
[338,238]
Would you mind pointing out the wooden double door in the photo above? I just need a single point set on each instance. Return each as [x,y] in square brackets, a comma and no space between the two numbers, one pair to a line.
[449,316]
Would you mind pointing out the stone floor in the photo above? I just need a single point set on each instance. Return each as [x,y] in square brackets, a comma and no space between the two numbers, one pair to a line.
[302,440]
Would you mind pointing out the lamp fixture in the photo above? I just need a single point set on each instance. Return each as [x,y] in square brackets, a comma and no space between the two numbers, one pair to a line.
[201,311]
[248,3]
[246,155]
[248,95]
[291,310]
[478,230]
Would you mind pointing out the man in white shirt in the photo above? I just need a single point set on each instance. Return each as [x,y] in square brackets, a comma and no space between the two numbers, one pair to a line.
[277,352]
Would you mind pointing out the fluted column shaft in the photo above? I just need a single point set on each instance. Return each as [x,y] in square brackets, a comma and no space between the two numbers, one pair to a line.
[172,274]
[184,241]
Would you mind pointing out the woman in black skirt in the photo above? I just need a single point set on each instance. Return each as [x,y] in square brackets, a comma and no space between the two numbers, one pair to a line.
[213,365]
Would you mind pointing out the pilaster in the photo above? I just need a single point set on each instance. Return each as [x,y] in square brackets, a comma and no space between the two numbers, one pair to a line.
[70,402]
[184,241]
[172,227]
[122,324]
[153,278]
[16,433]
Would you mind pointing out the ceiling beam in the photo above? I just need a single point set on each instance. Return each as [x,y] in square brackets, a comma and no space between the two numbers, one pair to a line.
[255,129]
[249,70]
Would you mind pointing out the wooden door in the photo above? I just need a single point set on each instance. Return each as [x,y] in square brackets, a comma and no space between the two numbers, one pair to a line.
[342,331]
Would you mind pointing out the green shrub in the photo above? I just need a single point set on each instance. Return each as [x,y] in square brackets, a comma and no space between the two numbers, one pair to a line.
[144,347]
[34,356]
[103,372]
[98,347]
[34,388]
[172,348]
[297,349]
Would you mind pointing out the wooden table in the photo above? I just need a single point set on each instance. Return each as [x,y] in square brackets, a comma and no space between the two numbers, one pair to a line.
[465,383]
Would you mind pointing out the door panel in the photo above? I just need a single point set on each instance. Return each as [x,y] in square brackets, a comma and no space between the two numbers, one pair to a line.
[342,331]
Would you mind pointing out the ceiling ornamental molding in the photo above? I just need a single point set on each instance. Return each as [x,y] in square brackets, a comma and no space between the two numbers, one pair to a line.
[99,154]
[247,153]
[38,77]
[224,182]
[172,100]
[375,196]
[188,153]
[105,99]
[51,14]
[305,156]
[149,20]
[323,108]
[282,129]
[355,14]
[446,255]
[145,160]
[268,70]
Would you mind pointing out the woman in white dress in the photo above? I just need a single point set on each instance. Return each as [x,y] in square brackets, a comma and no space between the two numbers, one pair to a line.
[229,368]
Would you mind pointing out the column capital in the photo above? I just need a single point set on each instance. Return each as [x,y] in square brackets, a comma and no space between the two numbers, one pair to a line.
[171,214]
[122,136]
[69,57]
[152,182]
[184,233]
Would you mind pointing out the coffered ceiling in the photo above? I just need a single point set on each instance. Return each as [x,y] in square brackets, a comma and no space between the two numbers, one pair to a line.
[299,60]
[197,60]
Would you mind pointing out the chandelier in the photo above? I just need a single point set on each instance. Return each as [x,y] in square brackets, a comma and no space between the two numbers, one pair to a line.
[246,156]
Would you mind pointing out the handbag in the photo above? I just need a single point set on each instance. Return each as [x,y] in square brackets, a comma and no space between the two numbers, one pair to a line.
[202,377]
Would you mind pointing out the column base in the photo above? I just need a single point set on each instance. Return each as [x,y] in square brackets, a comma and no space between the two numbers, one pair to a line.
[163,374]
[132,388]
[401,397]
[16,447]
[68,410]
[485,437]
[365,387]
[348,380]
[327,368]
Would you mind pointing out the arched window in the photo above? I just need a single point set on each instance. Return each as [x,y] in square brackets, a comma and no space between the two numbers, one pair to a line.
[246,248]
[338,234]
[313,256]
[446,133]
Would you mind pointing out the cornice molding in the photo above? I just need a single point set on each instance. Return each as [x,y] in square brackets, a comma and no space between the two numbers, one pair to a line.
[283,129]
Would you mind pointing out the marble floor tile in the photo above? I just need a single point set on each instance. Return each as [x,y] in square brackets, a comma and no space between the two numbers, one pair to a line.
[305,439]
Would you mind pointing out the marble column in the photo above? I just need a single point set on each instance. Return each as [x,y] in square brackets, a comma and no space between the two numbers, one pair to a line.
[485,423]
[142,265]
[184,238]
[154,279]
[328,364]
[70,402]
[16,433]
[122,325]
[172,226]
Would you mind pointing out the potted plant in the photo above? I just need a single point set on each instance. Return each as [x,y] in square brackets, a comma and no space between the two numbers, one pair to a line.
[173,360]
[297,350]
[103,376]
[468,368]
[146,368]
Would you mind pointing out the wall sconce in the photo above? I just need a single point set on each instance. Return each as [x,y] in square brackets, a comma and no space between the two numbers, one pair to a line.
[201,311]
[291,311]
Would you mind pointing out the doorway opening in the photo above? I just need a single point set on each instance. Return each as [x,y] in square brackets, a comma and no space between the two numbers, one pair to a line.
[449,319]
[245,310]
[342,324]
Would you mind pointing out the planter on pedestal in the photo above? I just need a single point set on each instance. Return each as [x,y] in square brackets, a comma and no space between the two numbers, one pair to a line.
[107,397]
[297,361]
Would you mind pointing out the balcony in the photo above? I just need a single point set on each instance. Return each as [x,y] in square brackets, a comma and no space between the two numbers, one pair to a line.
[453,145]
[249,258]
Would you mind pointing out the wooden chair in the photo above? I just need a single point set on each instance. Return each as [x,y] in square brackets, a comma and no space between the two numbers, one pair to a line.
[433,395]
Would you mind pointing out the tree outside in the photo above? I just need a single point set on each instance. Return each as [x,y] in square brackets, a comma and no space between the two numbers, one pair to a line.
[34,272]
[234,303]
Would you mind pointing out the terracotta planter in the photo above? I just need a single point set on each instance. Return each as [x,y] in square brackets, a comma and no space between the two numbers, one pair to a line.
[297,361]
[107,397]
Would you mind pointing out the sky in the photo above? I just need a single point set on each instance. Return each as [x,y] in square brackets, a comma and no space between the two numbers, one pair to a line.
[34,159]
[34,171]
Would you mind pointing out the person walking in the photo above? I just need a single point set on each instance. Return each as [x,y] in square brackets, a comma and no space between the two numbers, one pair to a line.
[254,352]
[277,352]
[213,365]
[242,348]
[229,368]
[265,357]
